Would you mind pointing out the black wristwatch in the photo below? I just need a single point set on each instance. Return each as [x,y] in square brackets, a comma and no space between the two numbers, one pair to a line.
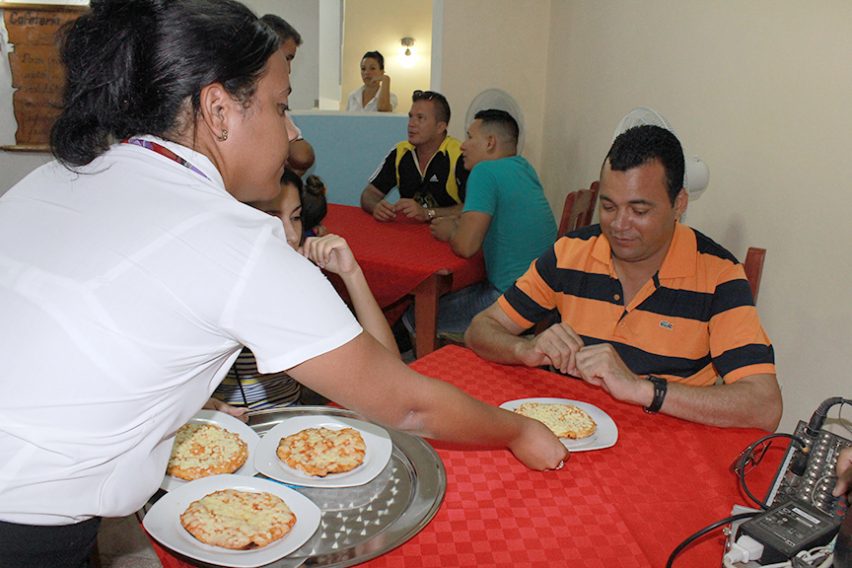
[660,388]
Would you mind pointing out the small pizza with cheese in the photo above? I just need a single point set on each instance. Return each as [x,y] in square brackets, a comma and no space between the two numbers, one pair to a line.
[320,451]
[564,420]
[202,450]
[238,520]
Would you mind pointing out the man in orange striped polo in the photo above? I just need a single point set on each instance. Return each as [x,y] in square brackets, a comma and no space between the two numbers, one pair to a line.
[650,309]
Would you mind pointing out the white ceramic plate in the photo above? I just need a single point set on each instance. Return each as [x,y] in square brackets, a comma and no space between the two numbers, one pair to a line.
[163,521]
[376,457]
[605,435]
[230,423]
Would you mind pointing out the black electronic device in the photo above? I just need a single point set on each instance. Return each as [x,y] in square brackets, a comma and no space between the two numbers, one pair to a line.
[808,474]
[789,528]
[801,512]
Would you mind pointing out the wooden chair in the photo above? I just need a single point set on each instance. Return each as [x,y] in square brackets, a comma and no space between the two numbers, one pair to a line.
[578,209]
[754,268]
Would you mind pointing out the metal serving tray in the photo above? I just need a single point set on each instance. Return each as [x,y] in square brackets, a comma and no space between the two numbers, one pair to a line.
[363,522]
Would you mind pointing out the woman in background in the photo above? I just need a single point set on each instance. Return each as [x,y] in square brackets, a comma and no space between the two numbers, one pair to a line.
[132,274]
[375,94]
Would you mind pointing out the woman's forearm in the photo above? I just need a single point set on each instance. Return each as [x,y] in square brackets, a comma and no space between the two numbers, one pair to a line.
[367,310]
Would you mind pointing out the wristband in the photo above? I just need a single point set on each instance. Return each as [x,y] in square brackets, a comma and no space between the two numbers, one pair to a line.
[660,390]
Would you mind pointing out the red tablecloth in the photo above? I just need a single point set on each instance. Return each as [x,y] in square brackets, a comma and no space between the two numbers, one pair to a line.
[624,506]
[396,257]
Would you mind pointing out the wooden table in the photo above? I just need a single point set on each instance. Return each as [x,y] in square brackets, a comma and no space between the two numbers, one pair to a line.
[401,260]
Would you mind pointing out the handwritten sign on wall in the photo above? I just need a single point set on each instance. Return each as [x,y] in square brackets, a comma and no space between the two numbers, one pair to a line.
[37,73]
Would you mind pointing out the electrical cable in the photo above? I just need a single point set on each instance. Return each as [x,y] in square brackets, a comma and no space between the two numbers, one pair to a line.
[748,455]
[693,537]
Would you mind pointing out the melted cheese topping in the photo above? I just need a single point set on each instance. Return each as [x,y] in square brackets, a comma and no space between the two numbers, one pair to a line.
[206,449]
[320,451]
[238,519]
[564,420]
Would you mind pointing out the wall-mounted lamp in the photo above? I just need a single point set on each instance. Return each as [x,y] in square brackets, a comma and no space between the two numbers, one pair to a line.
[407,42]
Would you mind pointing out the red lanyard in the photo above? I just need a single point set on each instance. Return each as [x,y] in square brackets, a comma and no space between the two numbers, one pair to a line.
[163,151]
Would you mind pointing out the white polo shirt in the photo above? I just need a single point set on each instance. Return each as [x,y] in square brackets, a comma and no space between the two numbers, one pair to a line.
[126,293]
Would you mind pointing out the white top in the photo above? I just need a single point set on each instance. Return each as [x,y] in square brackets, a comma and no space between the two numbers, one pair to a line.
[127,292]
[355,98]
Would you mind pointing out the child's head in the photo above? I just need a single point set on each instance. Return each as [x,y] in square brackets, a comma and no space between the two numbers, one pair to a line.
[314,204]
[301,207]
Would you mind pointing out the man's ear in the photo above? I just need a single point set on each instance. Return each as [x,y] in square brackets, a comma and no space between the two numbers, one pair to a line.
[491,143]
[681,201]
[443,125]
[216,107]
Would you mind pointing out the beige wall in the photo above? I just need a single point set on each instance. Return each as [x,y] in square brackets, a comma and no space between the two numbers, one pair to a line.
[760,90]
[500,44]
[380,25]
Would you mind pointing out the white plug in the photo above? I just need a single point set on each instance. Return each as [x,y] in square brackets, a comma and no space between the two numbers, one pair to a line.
[744,550]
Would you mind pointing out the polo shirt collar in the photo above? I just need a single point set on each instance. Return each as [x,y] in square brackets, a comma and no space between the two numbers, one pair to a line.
[680,259]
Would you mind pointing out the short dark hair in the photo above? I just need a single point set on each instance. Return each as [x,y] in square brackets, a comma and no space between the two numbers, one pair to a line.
[311,197]
[504,122]
[442,107]
[130,67]
[643,144]
[377,56]
[282,28]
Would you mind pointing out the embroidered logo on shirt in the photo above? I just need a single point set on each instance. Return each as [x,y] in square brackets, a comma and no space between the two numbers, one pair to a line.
[666,324]
[434,178]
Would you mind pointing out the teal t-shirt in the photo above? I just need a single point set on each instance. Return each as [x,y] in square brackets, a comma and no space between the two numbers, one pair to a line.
[522,225]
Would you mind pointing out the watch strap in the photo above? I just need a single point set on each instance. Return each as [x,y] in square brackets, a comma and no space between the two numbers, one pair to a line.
[660,390]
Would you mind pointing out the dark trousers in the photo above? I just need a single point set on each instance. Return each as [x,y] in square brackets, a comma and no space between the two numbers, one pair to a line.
[32,546]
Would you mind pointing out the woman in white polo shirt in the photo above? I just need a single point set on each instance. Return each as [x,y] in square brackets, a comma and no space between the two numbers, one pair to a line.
[131,275]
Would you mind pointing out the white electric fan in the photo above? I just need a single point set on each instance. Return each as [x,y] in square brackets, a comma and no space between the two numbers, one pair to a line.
[498,100]
[696,174]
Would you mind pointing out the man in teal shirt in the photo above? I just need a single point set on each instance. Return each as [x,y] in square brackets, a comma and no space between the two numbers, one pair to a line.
[505,214]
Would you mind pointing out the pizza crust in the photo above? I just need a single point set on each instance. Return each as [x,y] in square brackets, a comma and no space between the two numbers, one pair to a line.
[320,451]
[238,520]
[202,450]
[564,420]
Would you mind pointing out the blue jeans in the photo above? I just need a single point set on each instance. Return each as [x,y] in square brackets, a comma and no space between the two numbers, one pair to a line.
[456,309]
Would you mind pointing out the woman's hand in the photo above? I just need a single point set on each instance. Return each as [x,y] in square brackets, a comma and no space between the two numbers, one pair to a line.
[538,448]
[330,252]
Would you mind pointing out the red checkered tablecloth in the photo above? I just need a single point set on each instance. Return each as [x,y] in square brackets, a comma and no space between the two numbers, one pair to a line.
[396,257]
[625,506]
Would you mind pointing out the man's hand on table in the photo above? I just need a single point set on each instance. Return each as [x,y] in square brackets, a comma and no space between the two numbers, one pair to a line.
[600,365]
[442,228]
[537,447]
[238,412]
[557,345]
[384,211]
[411,209]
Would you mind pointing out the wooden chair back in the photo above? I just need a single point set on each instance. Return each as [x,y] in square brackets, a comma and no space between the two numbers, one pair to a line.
[578,209]
[754,269]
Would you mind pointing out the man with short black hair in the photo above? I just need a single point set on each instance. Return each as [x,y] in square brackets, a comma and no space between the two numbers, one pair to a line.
[427,167]
[301,156]
[506,215]
[651,310]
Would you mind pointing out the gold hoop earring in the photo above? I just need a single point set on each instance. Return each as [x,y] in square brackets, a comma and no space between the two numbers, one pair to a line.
[224,136]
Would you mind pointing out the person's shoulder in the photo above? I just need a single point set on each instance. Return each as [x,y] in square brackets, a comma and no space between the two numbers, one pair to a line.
[707,246]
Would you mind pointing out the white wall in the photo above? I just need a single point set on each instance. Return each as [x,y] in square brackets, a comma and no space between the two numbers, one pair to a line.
[502,44]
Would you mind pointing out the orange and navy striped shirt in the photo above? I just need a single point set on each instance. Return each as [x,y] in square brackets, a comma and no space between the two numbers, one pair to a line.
[692,322]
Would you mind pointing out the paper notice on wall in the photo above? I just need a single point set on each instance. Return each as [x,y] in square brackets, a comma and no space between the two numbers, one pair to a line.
[37,73]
